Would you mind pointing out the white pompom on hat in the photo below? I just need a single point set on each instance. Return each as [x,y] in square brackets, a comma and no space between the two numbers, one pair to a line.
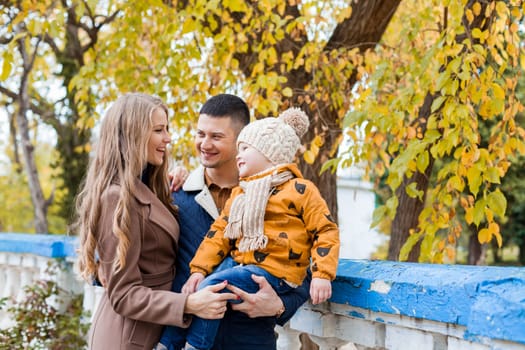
[278,139]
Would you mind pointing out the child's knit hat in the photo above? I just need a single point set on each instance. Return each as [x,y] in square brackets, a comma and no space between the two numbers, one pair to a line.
[278,139]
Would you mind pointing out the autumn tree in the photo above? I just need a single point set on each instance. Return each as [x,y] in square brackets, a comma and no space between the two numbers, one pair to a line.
[421,106]
[273,53]
[43,46]
[410,98]
[406,82]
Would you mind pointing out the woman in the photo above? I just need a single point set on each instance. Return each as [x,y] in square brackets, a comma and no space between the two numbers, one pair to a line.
[128,231]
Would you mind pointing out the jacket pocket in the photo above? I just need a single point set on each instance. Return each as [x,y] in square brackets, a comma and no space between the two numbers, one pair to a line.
[158,279]
[138,334]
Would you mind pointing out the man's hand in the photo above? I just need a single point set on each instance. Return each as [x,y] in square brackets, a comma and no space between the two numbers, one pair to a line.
[265,302]
[177,176]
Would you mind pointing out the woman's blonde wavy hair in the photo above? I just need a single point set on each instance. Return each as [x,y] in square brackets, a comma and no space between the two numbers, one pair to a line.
[120,157]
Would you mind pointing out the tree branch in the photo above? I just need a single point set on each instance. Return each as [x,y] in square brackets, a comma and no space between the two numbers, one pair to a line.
[365,27]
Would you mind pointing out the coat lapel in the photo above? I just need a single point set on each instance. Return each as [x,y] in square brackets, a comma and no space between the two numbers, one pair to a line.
[195,182]
[158,213]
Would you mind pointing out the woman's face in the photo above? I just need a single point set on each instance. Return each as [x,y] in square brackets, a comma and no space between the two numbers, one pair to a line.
[159,137]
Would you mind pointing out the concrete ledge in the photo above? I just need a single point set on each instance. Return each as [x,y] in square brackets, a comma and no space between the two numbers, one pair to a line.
[375,304]
[50,246]
[488,301]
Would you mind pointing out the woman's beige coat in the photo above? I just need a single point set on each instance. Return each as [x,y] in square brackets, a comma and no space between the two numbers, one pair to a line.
[137,301]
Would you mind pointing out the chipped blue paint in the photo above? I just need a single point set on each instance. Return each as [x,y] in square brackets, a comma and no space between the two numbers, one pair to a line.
[488,301]
[356,314]
[50,246]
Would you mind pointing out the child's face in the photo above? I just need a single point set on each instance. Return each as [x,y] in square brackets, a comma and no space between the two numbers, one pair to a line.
[250,161]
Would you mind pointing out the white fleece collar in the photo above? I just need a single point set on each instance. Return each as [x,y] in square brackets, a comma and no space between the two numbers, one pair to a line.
[195,181]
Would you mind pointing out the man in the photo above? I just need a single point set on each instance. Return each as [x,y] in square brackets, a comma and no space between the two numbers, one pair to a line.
[250,324]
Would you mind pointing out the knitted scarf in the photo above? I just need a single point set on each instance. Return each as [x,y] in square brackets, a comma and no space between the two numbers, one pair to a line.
[246,219]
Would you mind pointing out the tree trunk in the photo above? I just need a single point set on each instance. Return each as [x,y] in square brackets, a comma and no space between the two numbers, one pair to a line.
[37,196]
[80,37]
[408,210]
[496,256]
[363,29]
[521,255]
[474,247]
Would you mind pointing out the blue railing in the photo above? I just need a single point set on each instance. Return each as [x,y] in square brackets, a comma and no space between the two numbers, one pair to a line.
[465,304]
[49,246]
[489,301]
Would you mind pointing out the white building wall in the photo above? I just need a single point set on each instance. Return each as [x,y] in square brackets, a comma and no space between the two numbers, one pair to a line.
[355,201]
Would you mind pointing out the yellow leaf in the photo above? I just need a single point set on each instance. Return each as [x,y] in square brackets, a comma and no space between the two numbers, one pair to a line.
[379,139]
[502,9]
[422,162]
[474,180]
[498,239]
[497,202]
[258,68]
[469,215]
[456,183]
[314,148]
[489,215]
[309,157]
[236,5]
[476,8]
[411,165]
[463,202]
[470,16]
[288,92]
[189,25]
[413,192]
[318,140]
[484,236]
[345,13]
[437,103]
[493,228]
[492,175]
[6,66]
[441,244]
[498,91]
[476,33]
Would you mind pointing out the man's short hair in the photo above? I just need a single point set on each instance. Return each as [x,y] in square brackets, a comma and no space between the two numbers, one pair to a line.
[223,105]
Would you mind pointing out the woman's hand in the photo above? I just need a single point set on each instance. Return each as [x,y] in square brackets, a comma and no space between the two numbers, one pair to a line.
[208,302]
[192,283]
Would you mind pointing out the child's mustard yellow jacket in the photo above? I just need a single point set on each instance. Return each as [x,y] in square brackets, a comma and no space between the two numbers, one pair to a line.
[298,225]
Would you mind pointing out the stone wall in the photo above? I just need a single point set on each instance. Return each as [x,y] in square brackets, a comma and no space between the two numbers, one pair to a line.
[375,304]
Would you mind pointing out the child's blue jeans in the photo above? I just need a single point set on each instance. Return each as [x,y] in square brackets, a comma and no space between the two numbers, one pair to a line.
[201,333]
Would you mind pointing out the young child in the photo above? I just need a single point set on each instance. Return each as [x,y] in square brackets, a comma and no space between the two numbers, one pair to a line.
[275,224]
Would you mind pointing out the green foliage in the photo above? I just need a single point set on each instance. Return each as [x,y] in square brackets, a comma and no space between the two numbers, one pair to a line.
[39,325]
[454,55]
[279,53]
[15,196]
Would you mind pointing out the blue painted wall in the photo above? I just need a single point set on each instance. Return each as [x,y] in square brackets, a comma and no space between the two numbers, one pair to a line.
[51,246]
[488,301]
